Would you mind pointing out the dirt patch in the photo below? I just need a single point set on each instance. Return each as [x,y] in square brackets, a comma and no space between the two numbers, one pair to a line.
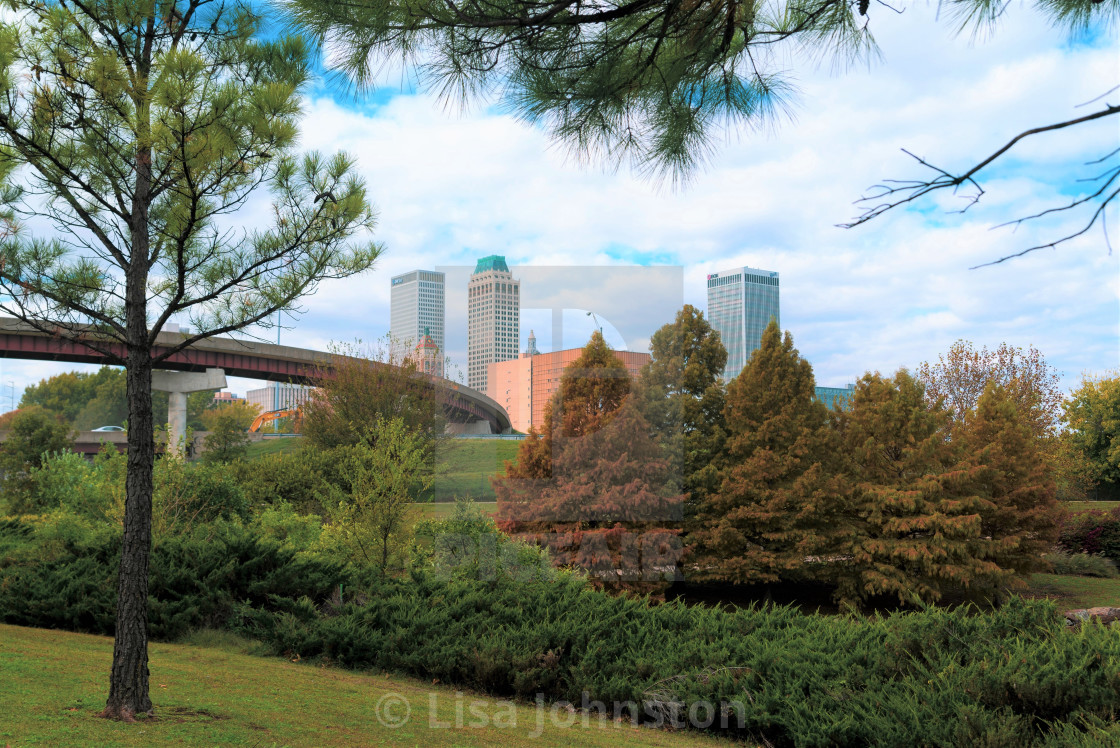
[187,714]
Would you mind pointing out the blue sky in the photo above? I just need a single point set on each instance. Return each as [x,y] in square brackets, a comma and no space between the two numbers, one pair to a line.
[451,187]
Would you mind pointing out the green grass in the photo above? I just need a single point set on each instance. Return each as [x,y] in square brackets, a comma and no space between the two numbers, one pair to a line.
[1074,592]
[273,446]
[464,467]
[55,683]
[444,510]
[1077,507]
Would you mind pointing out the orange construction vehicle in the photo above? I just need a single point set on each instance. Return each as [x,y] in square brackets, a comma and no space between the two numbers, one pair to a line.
[273,415]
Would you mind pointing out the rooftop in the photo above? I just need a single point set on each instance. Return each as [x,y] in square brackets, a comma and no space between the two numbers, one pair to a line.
[493,262]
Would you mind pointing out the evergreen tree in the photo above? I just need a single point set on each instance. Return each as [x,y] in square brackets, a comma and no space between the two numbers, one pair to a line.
[139,130]
[779,510]
[1019,514]
[919,519]
[684,399]
[647,79]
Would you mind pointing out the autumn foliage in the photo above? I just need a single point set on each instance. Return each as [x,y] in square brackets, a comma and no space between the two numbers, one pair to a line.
[902,495]
[593,484]
[921,486]
[778,506]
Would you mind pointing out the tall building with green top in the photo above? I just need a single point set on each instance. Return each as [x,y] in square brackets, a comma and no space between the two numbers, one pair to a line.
[493,318]
[741,303]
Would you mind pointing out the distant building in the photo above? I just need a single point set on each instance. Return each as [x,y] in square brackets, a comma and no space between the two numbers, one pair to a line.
[741,303]
[278,396]
[524,385]
[832,396]
[416,308]
[225,398]
[428,356]
[531,346]
[493,318]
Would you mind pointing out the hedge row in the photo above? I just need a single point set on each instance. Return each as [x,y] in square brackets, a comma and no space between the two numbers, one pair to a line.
[197,580]
[1012,677]
[1008,678]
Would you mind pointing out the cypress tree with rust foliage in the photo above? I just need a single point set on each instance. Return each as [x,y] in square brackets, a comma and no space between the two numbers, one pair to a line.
[684,398]
[780,506]
[594,482]
[1019,514]
[919,518]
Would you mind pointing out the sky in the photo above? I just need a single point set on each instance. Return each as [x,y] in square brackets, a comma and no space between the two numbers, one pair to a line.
[453,186]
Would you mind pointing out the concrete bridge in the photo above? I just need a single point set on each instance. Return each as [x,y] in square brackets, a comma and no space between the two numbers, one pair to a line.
[238,358]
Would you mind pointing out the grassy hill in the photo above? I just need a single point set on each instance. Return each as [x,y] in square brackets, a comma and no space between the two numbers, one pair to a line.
[463,466]
[54,686]
[274,446]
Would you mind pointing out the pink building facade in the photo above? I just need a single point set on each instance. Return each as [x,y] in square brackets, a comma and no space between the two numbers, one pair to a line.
[524,385]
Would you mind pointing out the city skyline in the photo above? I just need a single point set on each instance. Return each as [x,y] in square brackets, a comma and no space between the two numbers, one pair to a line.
[894,293]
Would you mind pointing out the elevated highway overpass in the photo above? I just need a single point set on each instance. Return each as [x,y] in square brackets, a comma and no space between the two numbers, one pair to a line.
[239,358]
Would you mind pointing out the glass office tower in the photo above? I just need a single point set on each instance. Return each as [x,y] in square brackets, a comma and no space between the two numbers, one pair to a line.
[416,310]
[741,303]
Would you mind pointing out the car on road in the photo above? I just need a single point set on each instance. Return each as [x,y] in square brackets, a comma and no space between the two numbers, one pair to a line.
[110,428]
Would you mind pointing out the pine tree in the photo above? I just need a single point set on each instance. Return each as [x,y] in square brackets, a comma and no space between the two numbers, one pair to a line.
[779,509]
[919,517]
[140,129]
[1019,514]
[684,399]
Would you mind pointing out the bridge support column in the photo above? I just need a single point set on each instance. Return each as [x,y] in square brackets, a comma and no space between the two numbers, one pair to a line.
[177,384]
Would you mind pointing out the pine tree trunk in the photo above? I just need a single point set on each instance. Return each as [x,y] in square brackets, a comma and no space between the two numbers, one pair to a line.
[128,682]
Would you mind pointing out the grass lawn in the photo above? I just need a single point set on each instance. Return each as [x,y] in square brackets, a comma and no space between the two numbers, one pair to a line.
[1085,506]
[55,683]
[444,510]
[464,467]
[1075,592]
[273,446]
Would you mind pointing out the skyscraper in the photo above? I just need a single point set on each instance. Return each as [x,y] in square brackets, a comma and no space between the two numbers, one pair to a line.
[493,318]
[741,303]
[416,308]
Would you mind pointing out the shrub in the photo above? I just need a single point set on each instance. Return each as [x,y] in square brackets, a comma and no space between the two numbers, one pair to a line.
[187,494]
[59,571]
[281,522]
[1082,565]
[298,478]
[469,545]
[1094,532]
[68,481]
[1011,677]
